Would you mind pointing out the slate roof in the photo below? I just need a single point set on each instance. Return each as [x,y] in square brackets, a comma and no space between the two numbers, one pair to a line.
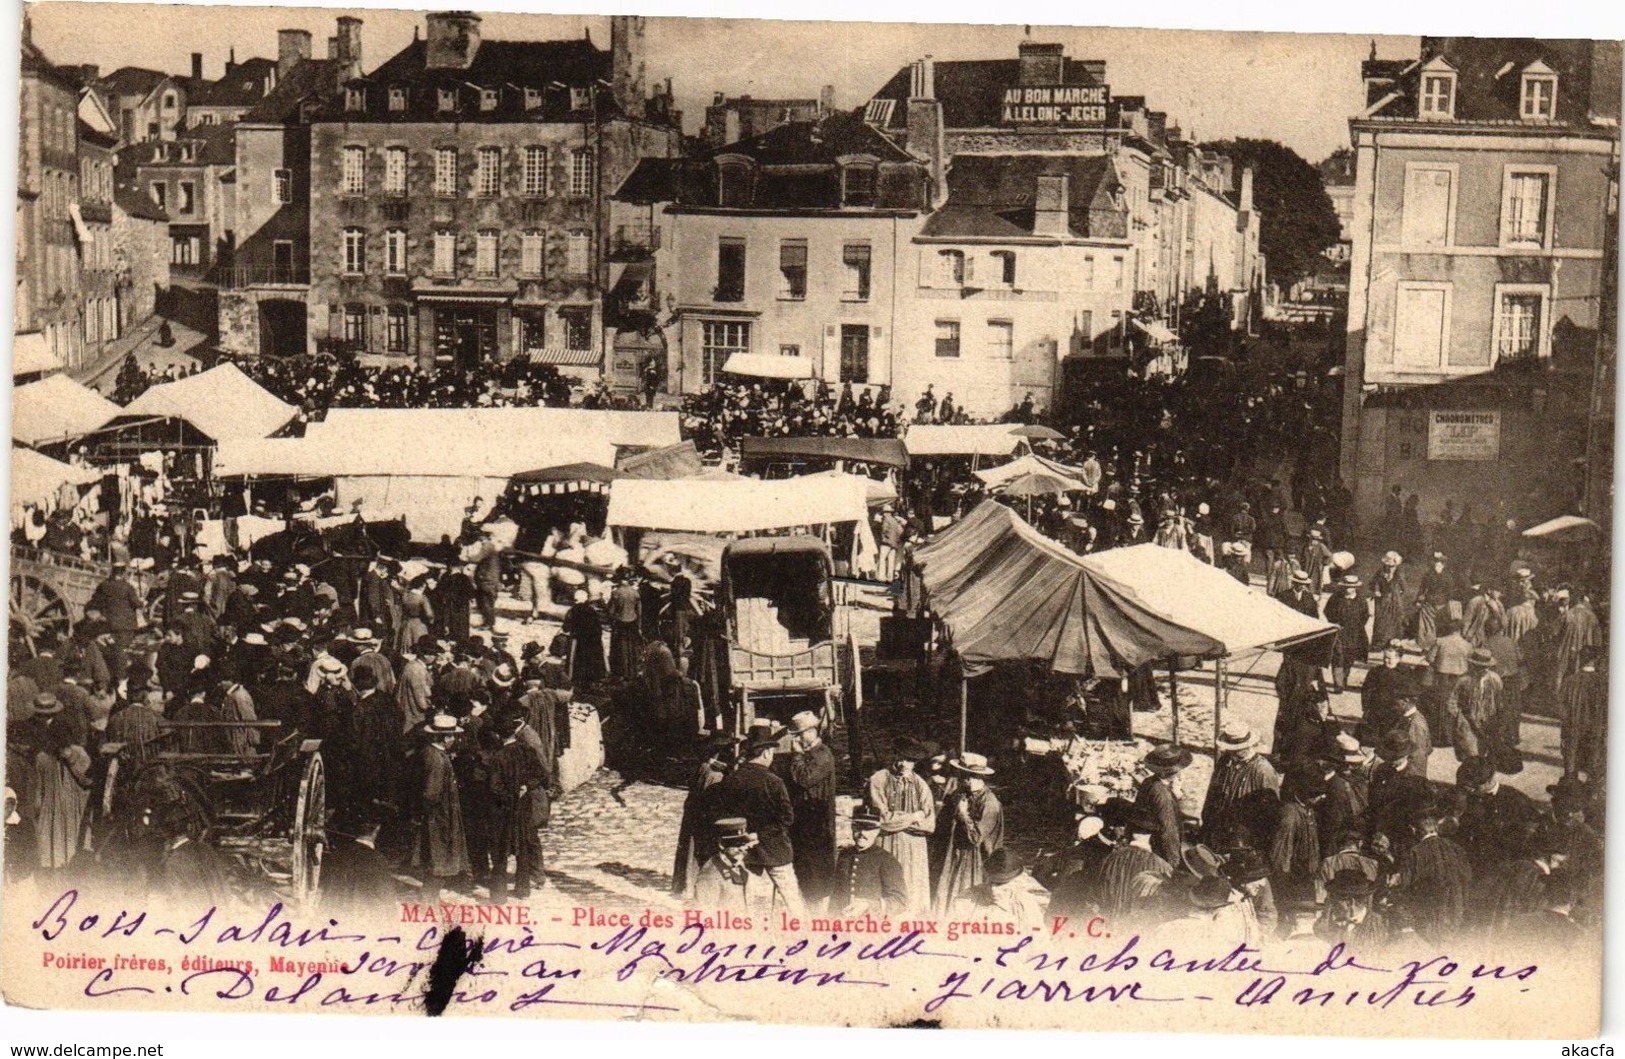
[307,78]
[992,196]
[1489,81]
[134,81]
[138,204]
[972,91]
[243,87]
[90,134]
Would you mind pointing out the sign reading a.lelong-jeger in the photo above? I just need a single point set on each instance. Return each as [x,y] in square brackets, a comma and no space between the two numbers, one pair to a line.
[1056,105]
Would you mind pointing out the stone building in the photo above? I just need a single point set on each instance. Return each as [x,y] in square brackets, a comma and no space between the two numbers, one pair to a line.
[191,178]
[93,227]
[730,119]
[48,294]
[783,256]
[1485,184]
[141,251]
[459,195]
[239,90]
[147,104]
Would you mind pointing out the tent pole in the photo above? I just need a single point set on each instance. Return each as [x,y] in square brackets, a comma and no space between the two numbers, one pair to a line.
[1173,698]
[964,711]
[1220,692]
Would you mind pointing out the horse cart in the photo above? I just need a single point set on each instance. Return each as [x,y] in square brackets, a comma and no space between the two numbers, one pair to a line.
[784,647]
[49,592]
[263,805]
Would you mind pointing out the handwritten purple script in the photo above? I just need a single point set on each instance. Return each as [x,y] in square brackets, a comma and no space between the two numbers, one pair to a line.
[281,957]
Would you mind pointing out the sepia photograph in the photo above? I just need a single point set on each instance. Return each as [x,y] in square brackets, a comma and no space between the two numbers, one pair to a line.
[844,524]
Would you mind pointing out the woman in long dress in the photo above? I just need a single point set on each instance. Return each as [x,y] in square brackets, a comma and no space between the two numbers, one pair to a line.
[1347,610]
[976,831]
[1389,594]
[417,614]
[908,816]
[62,786]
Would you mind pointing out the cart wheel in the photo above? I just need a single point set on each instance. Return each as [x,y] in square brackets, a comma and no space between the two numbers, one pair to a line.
[155,608]
[309,836]
[38,611]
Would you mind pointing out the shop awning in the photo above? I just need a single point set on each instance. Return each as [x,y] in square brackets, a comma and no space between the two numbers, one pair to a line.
[887,451]
[741,505]
[768,366]
[681,460]
[31,354]
[56,408]
[563,357]
[1155,330]
[989,439]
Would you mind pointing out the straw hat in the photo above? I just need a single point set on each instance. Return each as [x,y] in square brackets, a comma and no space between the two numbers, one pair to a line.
[1236,736]
[443,724]
[971,765]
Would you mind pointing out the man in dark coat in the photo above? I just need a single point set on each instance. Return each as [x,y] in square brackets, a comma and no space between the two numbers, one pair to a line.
[1159,796]
[696,838]
[1380,694]
[809,773]
[453,597]
[1435,880]
[378,744]
[1494,822]
[1396,791]
[867,878]
[120,606]
[443,847]
[753,792]
[1240,771]
[521,790]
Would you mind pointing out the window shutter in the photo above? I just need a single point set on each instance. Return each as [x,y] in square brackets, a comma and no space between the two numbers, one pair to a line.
[970,267]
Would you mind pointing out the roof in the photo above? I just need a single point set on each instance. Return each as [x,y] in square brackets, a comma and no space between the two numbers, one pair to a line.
[993,196]
[1008,593]
[88,133]
[222,402]
[790,544]
[36,478]
[56,408]
[31,353]
[134,81]
[307,78]
[1489,79]
[972,91]
[741,505]
[681,460]
[244,86]
[510,66]
[887,451]
[138,204]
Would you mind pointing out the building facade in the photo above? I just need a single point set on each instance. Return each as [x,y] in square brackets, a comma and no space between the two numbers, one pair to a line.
[1485,177]
[141,252]
[730,119]
[49,297]
[459,196]
[788,248]
[93,227]
[192,179]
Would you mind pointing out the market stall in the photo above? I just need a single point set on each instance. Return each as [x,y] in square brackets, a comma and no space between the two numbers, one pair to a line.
[56,410]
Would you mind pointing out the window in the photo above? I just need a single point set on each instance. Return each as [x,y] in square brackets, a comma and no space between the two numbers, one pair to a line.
[951,268]
[730,269]
[536,172]
[1430,205]
[531,245]
[188,151]
[858,185]
[855,353]
[793,269]
[580,98]
[1526,193]
[397,99]
[1538,98]
[354,178]
[1438,95]
[445,171]
[447,99]
[733,184]
[1520,315]
[1114,338]
[577,328]
[948,338]
[581,172]
[719,340]
[355,251]
[282,185]
[533,328]
[1118,273]
[395,329]
[488,99]
[485,253]
[788,350]
[160,194]
[1001,339]
[395,251]
[395,171]
[355,325]
[855,257]
[445,252]
[1005,261]
[578,253]
[533,98]
[1421,326]
[487,171]
[355,99]
[169,101]
[1089,272]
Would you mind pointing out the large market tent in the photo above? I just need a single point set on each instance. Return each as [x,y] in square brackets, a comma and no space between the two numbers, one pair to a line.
[978,439]
[889,452]
[744,505]
[38,481]
[768,366]
[1028,466]
[222,403]
[1007,593]
[56,409]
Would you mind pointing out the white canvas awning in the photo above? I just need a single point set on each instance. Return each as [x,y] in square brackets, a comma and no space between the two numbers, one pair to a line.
[742,505]
[990,439]
[56,408]
[1156,331]
[768,366]
[1564,527]
[37,480]
[31,354]
[221,402]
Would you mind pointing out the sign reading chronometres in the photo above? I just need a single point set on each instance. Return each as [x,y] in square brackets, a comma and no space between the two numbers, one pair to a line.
[1076,105]
[1464,435]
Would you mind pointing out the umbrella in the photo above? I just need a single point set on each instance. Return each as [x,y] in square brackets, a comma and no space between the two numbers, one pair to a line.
[1039,483]
[1034,432]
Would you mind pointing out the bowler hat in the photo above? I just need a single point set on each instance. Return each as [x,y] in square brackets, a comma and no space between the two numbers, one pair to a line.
[1351,882]
[1245,866]
[1003,866]
[46,704]
[763,735]
[1475,772]
[1201,861]
[1167,760]
[1211,892]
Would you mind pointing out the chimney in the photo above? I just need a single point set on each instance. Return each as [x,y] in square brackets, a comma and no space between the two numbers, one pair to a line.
[1244,197]
[730,125]
[826,100]
[348,45]
[717,99]
[926,137]
[333,47]
[1051,209]
[1040,63]
[626,63]
[453,38]
[90,72]
[231,60]
[197,66]
[923,79]
[292,48]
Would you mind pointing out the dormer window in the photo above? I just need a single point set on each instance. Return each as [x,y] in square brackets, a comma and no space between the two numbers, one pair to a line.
[448,100]
[580,98]
[397,99]
[187,151]
[1538,97]
[733,184]
[488,99]
[858,185]
[533,98]
[355,99]
[1438,91]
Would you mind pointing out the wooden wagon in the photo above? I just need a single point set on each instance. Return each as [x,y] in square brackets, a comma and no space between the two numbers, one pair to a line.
[49,592]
